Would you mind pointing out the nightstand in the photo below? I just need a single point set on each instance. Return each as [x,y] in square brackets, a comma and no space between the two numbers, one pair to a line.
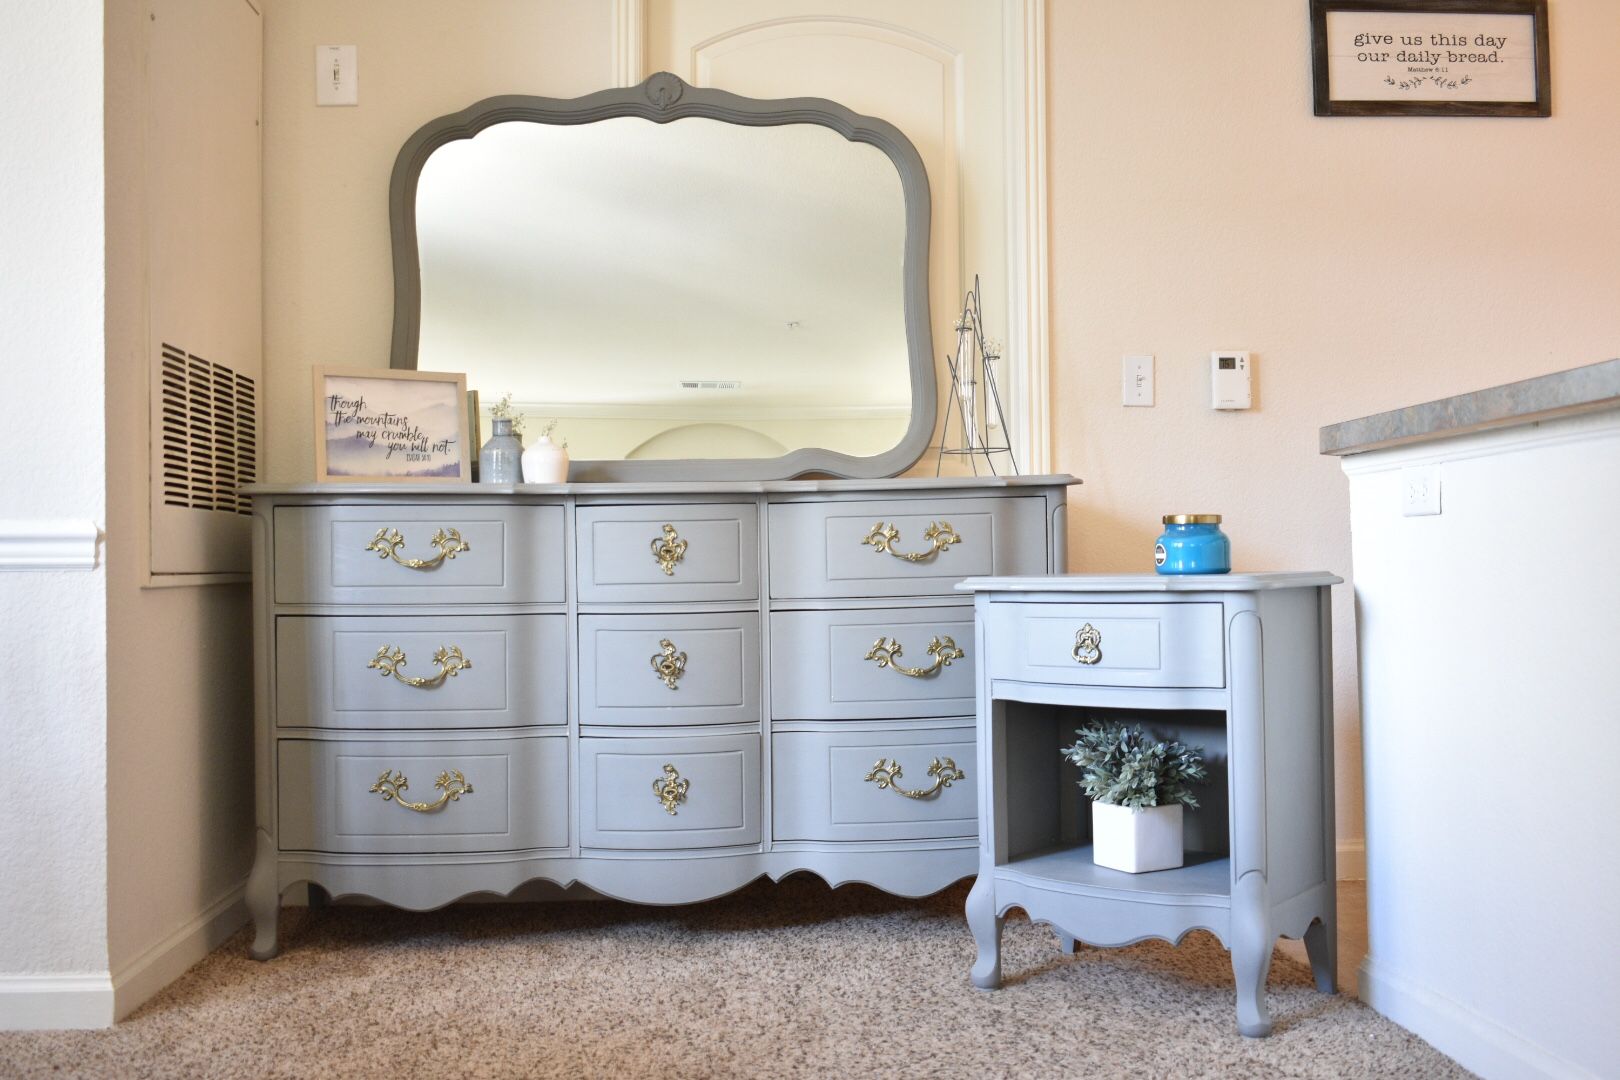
[1237,665]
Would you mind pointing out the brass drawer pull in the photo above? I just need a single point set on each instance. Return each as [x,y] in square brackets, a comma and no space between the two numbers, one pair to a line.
[388,541]
[452,786]
[1087,645]
[671,789]
[939,534]
[668,664]
[448,658]
[669,549]
[886,774]
[943,649]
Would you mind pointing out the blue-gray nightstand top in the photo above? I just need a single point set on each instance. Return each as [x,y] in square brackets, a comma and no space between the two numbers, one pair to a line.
[1092,583]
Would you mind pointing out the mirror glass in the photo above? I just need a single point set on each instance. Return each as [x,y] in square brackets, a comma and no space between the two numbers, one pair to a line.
[689,289]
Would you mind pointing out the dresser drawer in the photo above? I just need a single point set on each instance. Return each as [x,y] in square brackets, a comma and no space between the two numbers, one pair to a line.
[850,785]
[1107,644]
[423,795]
[669,792]
[470,553]
[874,664]
[435,671]
[900,546]
[669,669]
[677,552]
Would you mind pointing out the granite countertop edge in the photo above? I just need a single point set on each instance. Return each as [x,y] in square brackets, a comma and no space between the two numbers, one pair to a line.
[1590,388]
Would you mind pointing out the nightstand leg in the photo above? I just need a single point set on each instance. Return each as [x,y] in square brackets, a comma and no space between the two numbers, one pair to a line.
[1252,942]
[1319,946]
[986,927]
[264,899]
[1066,943]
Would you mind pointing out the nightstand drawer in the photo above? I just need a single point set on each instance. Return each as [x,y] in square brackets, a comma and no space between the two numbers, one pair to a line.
[872,664]
[911,784]
[672,553]
[421,671]
[472,553]
[902,546]
[669,669]
[399,796]
[1107,644]
[671,792]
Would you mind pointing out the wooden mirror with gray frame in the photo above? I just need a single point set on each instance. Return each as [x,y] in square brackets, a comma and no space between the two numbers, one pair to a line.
[693,284]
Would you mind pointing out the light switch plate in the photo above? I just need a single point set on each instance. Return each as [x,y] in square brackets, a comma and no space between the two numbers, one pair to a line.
[337,75]
[1420,490]
[1139,380]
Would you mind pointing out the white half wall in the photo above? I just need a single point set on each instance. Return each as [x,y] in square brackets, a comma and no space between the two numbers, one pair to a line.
[53,698]
[1490,696]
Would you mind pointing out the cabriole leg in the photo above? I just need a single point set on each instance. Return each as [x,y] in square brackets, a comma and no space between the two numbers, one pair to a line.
[1252,942]
[986,927]
[1320,947]
[264,899]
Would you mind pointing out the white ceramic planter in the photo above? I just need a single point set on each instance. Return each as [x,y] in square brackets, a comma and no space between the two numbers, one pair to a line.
[1136,840]
[545,462]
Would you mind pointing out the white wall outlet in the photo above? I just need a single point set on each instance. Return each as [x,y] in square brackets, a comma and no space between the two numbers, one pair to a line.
[1420,490]
[1229,380]
[1139,380]
[337,75]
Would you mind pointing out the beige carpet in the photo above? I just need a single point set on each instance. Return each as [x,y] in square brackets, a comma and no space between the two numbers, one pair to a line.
[789,980]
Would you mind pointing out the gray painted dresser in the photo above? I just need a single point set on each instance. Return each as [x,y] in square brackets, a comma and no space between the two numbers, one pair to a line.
[661,691]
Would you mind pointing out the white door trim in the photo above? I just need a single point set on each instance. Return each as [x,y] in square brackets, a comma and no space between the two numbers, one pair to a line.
[1028,325]
[629,42]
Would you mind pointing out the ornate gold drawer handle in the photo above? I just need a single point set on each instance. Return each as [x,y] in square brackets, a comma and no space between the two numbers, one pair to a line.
[668,664]
[939,534]
[1087,645]
[671,789]
[669,549]
[388,541]
[452,786]
[448,658]
[943,649]
[886,774]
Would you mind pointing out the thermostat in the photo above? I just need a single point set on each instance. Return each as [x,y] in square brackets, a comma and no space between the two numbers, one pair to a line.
[1229,380]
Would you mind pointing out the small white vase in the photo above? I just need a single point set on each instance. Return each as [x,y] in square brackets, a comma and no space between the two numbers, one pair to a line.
[545,462]
[1135,839]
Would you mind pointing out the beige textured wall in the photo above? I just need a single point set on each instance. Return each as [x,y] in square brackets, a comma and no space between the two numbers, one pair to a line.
[328,281]
[1196,204]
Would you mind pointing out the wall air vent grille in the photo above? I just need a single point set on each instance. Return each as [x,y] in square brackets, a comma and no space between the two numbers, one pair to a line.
[209,433]
[710,384]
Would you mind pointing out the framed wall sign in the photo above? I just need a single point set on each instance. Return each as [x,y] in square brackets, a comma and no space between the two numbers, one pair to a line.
[384,424]
[1430,58]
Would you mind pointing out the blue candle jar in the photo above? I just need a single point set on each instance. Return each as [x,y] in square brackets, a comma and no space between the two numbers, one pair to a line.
[1193,544]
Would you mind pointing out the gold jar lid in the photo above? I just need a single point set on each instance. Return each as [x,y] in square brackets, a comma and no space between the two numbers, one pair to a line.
[1192,519]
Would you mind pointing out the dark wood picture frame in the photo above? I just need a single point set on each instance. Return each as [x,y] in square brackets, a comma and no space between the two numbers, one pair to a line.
[1326,105]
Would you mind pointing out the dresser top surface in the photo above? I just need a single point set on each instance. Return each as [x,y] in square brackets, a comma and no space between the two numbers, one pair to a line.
[1164,583]
[919,485]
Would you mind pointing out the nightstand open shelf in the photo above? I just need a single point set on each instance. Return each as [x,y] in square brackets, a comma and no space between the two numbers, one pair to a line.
[1206,877]
[1185,659]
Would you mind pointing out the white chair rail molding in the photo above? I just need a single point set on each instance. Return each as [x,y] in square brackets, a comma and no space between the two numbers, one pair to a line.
[49,544]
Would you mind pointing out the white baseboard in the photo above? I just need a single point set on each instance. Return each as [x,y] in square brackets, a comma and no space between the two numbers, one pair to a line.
[56,1002]
[137,981]
[99,999]
[1476,1042]
[1351,859]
